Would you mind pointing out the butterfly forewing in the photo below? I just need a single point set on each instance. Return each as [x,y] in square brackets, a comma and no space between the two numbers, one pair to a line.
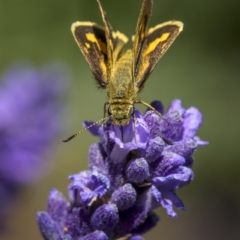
[109,39]
[156,43]
[91,40]
[140,33]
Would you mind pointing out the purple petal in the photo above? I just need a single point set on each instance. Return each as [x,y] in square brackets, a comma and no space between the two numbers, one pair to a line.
[182,176]
[154,149]
[57,207]
[96,235]
[168,162]
[189,162]
[192,122]
[79,193]
[119,150]
[184,148]
[141,130]
[105,218]
[73,223]
[154,123]
[133,136]
[49,228]
[77,223]
[137,170]
[139,137]
[176,105]
[67,237]
[124,197]
[96,158]
[115,173]
[165,203]
[136,237]
[100,183]
[148,224]
[92,127]
[158,106]
[83,177]
[200,142]
[130,219]
[174,128]
[84,226]
[124,133]
[89,186]
[177,202]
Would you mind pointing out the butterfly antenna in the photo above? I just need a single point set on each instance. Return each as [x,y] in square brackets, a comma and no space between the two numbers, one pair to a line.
[168,142]
[84,129]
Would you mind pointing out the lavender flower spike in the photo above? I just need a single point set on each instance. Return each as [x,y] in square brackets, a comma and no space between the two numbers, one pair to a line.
[31,118]
[132,172]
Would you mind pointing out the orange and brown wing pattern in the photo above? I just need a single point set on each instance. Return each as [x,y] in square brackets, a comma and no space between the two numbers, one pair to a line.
[140,33]
[156,43]
[115,40]
[91,40]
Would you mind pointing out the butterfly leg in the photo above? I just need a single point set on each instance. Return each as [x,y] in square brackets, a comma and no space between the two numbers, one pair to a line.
[152,108]
[105,108]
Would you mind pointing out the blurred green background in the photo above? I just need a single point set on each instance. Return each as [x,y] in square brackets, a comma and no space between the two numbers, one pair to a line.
[202,68]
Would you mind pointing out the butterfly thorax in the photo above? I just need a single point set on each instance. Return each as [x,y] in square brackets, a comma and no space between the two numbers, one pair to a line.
[121,90]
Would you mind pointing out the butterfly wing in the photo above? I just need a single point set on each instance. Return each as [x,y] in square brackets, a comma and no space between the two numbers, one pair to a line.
[115,40]
[156,42]
[141,29]
[91,40]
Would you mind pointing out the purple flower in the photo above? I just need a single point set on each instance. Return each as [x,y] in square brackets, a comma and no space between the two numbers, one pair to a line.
[133,170]
[30,121]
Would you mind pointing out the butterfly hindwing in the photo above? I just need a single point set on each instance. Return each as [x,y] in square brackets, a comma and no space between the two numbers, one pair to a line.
[108,34]
[156,43]
[115,40]
[91,40]
[119,41]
